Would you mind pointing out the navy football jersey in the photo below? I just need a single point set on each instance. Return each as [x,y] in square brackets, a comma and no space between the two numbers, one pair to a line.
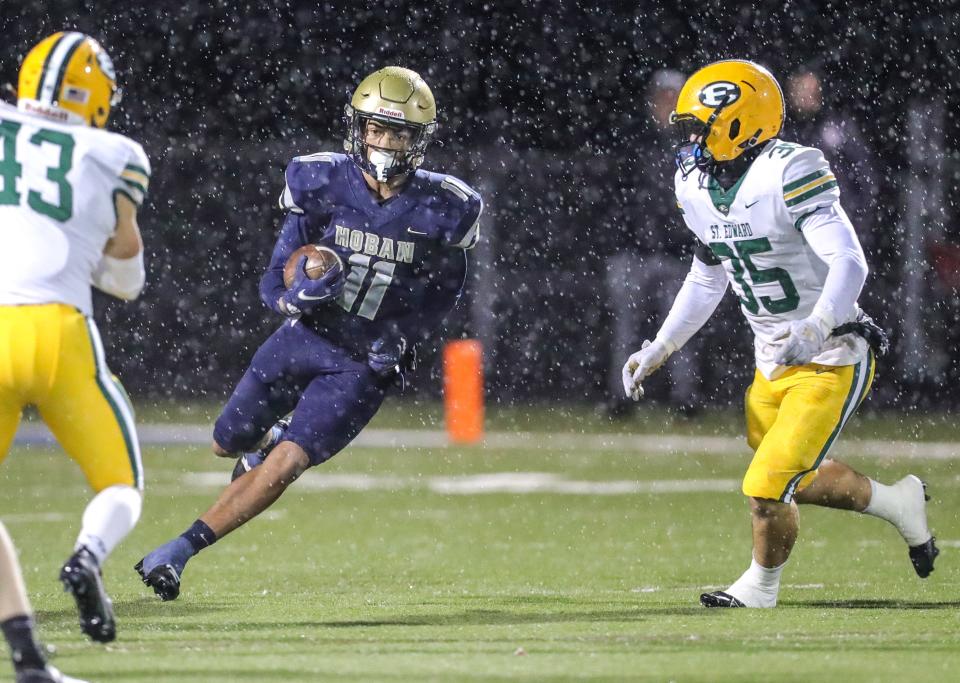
[405,258]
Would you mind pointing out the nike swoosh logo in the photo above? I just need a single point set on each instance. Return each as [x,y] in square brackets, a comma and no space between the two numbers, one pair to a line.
[747,206]
[416,232]
[306,297]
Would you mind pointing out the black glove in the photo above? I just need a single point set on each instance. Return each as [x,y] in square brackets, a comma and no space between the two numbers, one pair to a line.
[865,326]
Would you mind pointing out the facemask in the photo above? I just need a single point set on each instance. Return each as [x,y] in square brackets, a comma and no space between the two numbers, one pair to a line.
[382,161]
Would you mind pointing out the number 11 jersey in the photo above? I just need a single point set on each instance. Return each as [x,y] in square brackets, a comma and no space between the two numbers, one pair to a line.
[404,258]
[58,182]
[755,229]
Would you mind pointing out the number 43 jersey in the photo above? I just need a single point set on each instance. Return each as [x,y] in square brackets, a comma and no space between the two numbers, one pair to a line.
[404,258]
[755,229]
[57,187]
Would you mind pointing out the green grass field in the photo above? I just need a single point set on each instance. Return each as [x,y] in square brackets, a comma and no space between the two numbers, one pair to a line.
[386,565]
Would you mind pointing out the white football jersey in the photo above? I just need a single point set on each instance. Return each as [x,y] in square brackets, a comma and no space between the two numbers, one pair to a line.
[57,187]
[756,230]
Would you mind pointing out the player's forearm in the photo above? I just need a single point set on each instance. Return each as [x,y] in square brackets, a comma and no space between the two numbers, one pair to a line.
[271,289]
[696,301]
[833,239]
[292,236]
[122,278]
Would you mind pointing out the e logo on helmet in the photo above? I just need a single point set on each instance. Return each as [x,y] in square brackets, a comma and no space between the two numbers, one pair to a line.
[719,93]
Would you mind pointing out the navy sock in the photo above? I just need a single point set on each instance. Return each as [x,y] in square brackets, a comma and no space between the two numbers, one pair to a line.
[24,648]
[199,536]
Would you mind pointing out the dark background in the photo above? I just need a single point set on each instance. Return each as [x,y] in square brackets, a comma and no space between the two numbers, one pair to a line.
[542,107]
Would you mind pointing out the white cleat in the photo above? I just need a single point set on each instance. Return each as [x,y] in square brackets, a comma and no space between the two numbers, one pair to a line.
[913,524]
[913,510]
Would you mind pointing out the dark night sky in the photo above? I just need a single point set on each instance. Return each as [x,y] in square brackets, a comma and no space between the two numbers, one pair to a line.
[223,93]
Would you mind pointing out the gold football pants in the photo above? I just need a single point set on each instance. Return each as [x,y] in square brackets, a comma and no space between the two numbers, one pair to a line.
[793,420]
[51,357]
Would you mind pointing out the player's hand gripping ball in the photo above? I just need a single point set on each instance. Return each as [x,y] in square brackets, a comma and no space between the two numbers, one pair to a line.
[318,261]
[313,275]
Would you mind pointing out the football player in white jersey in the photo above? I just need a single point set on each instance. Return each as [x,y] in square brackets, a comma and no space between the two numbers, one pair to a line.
[767,220]
[69,194]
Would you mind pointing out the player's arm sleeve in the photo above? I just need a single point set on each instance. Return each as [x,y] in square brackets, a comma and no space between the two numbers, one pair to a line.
[465,232]
[698,298]
[808,185]
[292,237]
[120,271]
[832,238]
[134,179]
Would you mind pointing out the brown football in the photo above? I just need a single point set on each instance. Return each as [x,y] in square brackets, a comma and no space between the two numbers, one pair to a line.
[319,261]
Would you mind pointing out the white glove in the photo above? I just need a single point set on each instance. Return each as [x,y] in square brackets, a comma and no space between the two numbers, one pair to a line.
[644,363]
[800,340]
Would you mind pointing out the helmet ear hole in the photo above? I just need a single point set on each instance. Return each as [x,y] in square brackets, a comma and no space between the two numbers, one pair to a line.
[734,129]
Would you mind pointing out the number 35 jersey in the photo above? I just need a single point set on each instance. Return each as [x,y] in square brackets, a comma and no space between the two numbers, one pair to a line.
[404,258]
[57,187]
[755,229]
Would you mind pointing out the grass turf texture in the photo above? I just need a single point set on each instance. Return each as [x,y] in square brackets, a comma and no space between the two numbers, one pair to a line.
[407,584]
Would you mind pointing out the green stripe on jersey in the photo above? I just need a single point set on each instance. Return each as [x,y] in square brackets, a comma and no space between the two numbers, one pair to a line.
[790,187]
[134,184]
[812,193]
[136,169]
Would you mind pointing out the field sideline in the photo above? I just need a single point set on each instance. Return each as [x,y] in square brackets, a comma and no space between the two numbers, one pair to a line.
[559,559]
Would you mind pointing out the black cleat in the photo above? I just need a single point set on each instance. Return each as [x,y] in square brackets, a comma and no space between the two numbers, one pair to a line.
[81,576]
[245,463]
[922,557]
[164,580]
[719,599]
[248,461]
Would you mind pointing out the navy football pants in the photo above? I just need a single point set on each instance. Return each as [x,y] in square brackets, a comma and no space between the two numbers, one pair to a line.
[332,396]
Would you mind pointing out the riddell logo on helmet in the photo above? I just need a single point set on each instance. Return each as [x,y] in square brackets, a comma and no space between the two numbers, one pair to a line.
[48,112]
[395,113]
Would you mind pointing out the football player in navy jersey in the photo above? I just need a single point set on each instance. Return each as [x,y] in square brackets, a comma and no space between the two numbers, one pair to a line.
[401,234]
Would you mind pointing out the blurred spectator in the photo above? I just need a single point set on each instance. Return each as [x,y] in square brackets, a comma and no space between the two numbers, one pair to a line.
[643,277]
[836,134]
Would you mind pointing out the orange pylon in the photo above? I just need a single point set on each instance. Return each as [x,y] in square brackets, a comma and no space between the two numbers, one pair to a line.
[463,390]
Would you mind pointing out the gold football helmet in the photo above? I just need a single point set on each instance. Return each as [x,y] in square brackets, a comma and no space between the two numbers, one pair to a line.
[724,109]
[68,77]
[396,98]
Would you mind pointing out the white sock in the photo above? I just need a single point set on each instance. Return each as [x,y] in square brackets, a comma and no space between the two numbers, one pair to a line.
[903,505]
[109,517]
[758,586]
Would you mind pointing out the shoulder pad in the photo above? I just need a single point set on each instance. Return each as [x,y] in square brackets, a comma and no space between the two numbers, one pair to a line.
[307,179]
[458,207]
[808,182]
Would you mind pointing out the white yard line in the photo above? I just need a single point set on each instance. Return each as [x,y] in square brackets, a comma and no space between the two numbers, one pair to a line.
[659,444]
[478,484]
[35,517]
